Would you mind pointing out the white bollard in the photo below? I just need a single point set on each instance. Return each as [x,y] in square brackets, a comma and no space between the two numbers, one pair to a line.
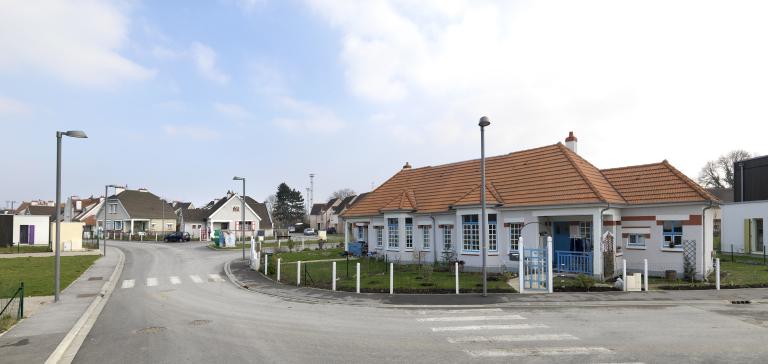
[645,274]
[717,273]
[298,273]
[266,262]
[391,278]
[550,288]
[456,270]
[278,269]
[624,274]
[333,277]
[357,283]
[520,265]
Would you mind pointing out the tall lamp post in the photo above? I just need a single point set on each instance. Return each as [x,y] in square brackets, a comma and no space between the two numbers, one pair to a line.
[242,210]
[483,123]
[104,231]
[59,134]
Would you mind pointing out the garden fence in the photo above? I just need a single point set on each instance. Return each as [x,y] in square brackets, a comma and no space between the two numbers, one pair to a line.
[12,301]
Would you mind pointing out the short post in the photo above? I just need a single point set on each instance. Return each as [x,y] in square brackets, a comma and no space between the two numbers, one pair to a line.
[391,278]
[645,274]
[298,273]
[550,288]
[520,263]
[456,271]
[155,237]
[278,269]
[357,280]
[731,252]
[333,277]
[717,273]
[266,261]
[624,274]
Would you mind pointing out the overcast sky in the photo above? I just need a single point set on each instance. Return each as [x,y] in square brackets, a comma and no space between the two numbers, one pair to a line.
[179,96]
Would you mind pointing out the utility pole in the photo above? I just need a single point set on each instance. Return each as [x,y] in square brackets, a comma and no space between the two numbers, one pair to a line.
[311,189]
[309,203]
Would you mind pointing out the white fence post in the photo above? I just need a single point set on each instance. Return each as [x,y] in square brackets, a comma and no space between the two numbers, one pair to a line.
[624,274]
[645,274]
[333,277]
[391,278]
[357,283]
[456,270]
[717,273]
[266,262]
[298,273]
[278,269]
[520,263]
[550,288]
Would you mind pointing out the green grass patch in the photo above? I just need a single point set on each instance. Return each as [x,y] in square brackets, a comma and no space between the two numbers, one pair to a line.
[37,273]
[25,249]
[308,255]
[6,321]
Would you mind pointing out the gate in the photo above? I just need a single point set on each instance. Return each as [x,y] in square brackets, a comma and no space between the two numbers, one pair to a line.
[574,262]
[534,269]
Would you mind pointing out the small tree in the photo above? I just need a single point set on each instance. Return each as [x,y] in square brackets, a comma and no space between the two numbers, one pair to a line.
[719,173]
[342,193]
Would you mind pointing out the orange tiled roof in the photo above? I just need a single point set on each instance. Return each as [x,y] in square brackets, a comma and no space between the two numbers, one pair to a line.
[545,176]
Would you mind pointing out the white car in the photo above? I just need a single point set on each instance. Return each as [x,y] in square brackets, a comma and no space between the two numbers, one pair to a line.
[309,231]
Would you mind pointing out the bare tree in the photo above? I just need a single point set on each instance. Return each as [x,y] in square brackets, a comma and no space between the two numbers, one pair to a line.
[270,202]
[719,173]
[342,193]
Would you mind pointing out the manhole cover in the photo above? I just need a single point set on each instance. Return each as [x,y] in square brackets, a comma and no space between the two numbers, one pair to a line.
[150,330]
[200,322]
[86,295]
[741,302]
[95,278]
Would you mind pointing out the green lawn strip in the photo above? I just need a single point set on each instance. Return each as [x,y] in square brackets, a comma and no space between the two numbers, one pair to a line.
[37,273]
[6,321]
[25,249]
[307,255]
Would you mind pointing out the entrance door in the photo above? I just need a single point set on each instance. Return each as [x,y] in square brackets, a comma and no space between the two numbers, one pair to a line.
[561,237]
[23,234]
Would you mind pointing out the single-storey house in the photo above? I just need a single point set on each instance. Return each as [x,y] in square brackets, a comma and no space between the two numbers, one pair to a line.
[596,218]
[137,212]
[192,221]
[743,225]
[32,229]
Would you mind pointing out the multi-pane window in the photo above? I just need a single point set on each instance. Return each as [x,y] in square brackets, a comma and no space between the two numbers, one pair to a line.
[673,234]
[112,208]
[393,233]
[379,236]
[426,244]
[109,225]
[408,233]
[118,225]
[470,233]
[636,240]
[585,231]
[447,237]
[492,245]
[515,229]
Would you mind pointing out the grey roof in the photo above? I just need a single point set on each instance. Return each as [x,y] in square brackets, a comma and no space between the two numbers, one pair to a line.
[723,194]
[330,203]
[144,205]
[344,203]
[195,215]
[41,210]
[258,207]
[317,209]
[182,205]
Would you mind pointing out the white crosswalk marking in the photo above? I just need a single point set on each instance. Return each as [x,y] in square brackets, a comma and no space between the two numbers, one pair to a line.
[471,318]
[489,327]
[128,283]
[175,280]
[196,279]
[511,338]
[462,311]
[498,353]
[215,278]
[151,282]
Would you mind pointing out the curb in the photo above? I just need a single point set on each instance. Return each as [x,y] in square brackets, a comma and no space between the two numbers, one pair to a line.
[69,346]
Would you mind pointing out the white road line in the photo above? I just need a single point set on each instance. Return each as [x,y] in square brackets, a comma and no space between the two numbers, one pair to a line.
[498,353]
[151,282]
[175,280]
[471,318]
[215,278]
[196,279]
[489,327]
[476,310]
[128,283]
[511,338]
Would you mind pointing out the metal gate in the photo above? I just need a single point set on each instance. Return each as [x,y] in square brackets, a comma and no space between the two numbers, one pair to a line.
[535,269]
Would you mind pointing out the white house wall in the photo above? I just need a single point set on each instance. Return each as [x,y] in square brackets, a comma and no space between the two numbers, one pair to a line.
[42,229]
[226,214]
[733,223]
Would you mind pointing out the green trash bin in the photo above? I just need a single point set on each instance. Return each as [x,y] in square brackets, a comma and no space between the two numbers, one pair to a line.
[216,235]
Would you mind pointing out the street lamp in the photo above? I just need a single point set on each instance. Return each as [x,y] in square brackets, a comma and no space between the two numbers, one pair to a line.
[242,210]
[104,230]
[59,134]
[483,123]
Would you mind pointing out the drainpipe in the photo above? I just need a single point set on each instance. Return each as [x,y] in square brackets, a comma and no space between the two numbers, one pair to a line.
[741,180]
[600,241]
[434,237]
[704,239]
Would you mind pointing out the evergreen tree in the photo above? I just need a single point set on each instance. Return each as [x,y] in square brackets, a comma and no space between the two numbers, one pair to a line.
[288,207]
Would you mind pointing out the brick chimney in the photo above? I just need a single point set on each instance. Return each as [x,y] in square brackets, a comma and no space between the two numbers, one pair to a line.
[571,141]
[407,166]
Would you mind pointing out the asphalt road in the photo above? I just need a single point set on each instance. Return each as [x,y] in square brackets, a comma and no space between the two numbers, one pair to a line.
[174,305]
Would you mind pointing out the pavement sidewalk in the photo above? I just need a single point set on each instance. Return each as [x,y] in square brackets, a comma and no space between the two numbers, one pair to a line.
[241,275]
[34,339]
[50,254]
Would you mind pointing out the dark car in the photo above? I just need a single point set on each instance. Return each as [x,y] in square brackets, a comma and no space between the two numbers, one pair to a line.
[331,230]
[177,236]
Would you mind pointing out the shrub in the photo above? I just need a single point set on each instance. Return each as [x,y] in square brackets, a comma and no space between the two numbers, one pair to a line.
[585,281]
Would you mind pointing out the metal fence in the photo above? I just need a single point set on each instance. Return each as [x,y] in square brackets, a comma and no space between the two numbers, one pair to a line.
[12,301]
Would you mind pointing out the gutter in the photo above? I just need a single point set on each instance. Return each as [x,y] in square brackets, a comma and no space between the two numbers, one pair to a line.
[704,240]
[434,237]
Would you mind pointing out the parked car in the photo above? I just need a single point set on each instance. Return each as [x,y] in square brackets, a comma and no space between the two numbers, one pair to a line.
[291,229]
[331,230]
[309,231]
[177,236]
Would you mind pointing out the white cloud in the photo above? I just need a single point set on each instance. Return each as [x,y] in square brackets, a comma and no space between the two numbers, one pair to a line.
[75,41]
[637,81]
[192,132]
[232,111]
[308,117]
[9,106]
[205,60]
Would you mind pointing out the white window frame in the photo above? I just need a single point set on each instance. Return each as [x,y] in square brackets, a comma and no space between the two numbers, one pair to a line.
[448,238]
[639,241]
[408,234]
[117,225]
[493,232]
[515,232]
[379,236]
[112,208]
[110,225]
[393,233]
[426,243]
[470,233]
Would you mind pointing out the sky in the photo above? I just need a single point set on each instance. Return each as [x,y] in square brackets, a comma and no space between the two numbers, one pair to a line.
[180,96]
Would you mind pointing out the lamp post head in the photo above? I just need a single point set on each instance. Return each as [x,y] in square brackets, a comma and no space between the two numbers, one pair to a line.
[484,121]
[75,134]
[238,178]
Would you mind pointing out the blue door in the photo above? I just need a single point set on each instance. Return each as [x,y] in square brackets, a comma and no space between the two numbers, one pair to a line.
[561,236]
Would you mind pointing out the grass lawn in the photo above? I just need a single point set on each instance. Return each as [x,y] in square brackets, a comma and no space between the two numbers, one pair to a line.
[6,321]
[37,273]
[25,249]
